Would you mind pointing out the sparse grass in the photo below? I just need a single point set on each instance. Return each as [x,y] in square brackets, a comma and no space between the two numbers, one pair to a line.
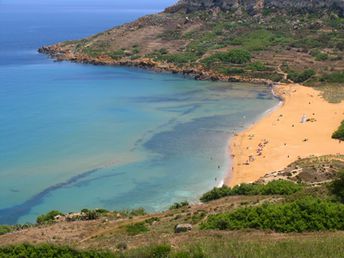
[322,246]
[333,93]
[137,228]
[92,52]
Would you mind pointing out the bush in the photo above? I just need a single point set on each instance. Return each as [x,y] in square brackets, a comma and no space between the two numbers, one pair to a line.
[319,56]
[90,214]
[339,134]
[299,77]
[307,214]
[160,251]
[48,217]
[257,40]
[49,251]
[137,228]
[5,229]
[178,205]
[150,221]
[232,71]
[276,187]
[336,77]
[337,187]
[137,212]
[152,251]
[117,54]
[257,66]
[180,58]
[234,56]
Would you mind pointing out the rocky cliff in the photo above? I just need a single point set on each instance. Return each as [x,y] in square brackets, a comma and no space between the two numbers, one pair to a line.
[256,6]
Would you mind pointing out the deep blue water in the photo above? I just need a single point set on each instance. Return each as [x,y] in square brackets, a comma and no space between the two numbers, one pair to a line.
[76,136]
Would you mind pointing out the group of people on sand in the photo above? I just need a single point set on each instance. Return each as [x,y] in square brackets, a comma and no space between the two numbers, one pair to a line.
[259,151]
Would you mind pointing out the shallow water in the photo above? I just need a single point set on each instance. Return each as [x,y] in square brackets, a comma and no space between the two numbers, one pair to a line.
[75,136]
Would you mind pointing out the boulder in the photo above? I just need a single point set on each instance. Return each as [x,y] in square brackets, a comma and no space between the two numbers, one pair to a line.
[182,228]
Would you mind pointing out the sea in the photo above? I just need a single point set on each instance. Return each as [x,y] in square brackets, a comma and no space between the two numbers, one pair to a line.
[76,136]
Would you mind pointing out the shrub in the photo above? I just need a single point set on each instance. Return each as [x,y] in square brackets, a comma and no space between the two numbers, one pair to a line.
[133,212]
[170,35]
[137,228]
[5,229]
[257,66]
[90,214]
[92,52]
[122,246]
[281,187]
[259,40]
[178,205]
[336,77]
[306,214]
[180,58]
[299,77]
[49,251]
[234,56]
[337,187]
[48,217]
[152,251]
[117,54]
[339,134]
[273,76]
[232,71]
[137,212]
[319,56]
[150,221]
[160,251]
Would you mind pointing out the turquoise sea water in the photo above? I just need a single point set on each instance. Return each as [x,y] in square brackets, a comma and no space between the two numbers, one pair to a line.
[76,136]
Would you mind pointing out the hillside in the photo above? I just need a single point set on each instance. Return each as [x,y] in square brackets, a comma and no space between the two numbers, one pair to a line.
[136,234]
[302,41]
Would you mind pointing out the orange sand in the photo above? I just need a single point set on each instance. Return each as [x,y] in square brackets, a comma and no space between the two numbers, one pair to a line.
[283,137]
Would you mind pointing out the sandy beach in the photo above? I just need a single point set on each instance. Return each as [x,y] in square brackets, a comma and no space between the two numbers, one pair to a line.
[300,127]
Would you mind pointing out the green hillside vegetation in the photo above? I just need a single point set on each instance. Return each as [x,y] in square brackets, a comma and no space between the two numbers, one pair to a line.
[299,216]
[48,217]
[278,187]
[229,44]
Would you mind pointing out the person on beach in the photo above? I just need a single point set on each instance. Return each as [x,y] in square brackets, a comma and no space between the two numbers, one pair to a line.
[303,119]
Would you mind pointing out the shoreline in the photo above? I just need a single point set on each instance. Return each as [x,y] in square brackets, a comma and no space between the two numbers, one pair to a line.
[246,159]
[279,138]
[57,53]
